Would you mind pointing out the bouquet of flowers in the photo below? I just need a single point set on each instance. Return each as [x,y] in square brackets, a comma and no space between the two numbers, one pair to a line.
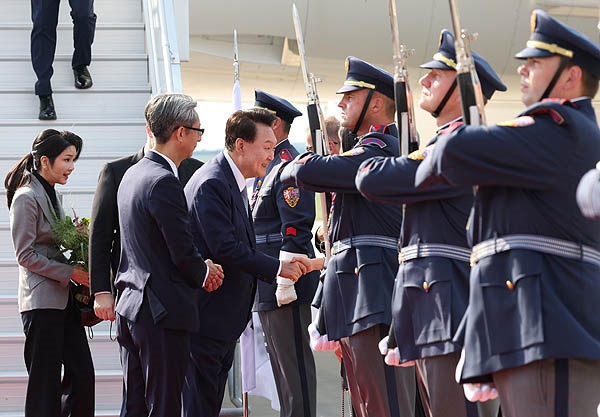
[72,236]
[73,239]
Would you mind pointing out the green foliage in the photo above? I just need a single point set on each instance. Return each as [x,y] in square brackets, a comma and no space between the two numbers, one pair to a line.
[73,238]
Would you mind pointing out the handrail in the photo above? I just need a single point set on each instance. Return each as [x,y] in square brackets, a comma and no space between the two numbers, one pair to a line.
[163,51]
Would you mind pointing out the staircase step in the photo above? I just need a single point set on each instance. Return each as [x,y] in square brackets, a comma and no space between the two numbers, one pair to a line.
[6,246]
[126,38]
[108,393]
[114,136]
[123,11]
[105,354]
[106,70]
[96,103]
[9,275]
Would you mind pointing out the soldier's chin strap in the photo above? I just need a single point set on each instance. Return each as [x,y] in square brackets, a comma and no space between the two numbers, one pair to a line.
[440,107]
[563,63]
[363,113]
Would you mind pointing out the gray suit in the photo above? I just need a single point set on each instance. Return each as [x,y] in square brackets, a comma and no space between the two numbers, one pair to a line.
[44,303]
[44,275]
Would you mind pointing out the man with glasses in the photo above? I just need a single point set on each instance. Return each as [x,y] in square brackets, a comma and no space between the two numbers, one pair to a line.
[161,274]
[105,242]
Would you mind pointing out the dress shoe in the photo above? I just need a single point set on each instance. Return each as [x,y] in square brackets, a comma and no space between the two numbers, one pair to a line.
[47,108]
[83,79]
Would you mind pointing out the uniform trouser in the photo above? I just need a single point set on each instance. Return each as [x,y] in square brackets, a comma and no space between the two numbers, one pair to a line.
[55,339]
[377,390]
[442,396]
[286,334]
[44,15]
[154,362]
[550,388]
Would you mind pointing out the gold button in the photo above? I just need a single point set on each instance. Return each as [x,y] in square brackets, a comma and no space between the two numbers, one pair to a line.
[356,271]
[425,286]
[509,284]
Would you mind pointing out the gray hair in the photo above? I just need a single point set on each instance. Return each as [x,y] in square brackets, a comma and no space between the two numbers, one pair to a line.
[166,112]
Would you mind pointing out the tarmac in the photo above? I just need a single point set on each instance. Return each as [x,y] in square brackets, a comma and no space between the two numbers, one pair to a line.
[329,391]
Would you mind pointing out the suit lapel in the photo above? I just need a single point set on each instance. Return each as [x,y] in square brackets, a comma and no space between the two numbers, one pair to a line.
[44,201]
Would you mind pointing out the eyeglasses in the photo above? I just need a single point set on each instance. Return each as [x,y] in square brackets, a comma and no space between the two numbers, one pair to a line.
[201,130]
[309,148]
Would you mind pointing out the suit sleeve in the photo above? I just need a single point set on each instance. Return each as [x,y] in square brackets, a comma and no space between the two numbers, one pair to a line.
[525,157]
[296,208]
[214,214]
[392,180]
[168,207]
[24,214]
[104,223]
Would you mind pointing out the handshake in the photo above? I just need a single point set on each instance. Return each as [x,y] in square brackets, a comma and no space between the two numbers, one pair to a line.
[293,266]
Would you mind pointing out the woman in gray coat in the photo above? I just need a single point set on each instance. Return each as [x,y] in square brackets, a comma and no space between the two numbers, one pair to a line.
[54,337]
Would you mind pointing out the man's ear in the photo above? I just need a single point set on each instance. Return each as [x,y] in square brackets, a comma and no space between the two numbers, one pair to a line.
[573,76]
[240,144]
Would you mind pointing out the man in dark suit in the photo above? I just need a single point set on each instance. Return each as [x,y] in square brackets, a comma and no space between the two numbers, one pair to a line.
[44,16]
[283,217]
[105,245]
[160,268]
[223,230]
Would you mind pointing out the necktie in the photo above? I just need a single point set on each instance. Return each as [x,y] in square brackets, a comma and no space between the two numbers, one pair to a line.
[245,200]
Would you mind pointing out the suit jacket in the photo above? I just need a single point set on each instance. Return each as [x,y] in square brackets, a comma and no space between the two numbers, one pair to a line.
[223,232]
[105,242]
[160,267]
[44,275]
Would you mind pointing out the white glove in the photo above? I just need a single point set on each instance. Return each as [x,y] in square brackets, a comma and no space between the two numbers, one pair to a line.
[588,194]
[392,356]
[318,341]
[480,392]
[286,292]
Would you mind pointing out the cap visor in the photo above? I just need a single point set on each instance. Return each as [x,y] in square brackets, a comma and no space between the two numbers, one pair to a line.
[533,53]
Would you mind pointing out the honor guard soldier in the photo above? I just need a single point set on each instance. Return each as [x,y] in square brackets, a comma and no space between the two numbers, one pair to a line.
[283,219]
[432,284]
[532,324]
[358,284]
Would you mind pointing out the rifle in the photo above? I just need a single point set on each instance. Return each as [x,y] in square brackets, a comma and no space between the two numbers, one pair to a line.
[469,86]
[316,121]
[405,115]
[237,94]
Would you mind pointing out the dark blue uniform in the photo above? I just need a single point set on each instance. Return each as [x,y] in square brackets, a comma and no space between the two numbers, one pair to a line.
[359,280]
[283,219]
[358,284]
[430,295]
[526,304]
